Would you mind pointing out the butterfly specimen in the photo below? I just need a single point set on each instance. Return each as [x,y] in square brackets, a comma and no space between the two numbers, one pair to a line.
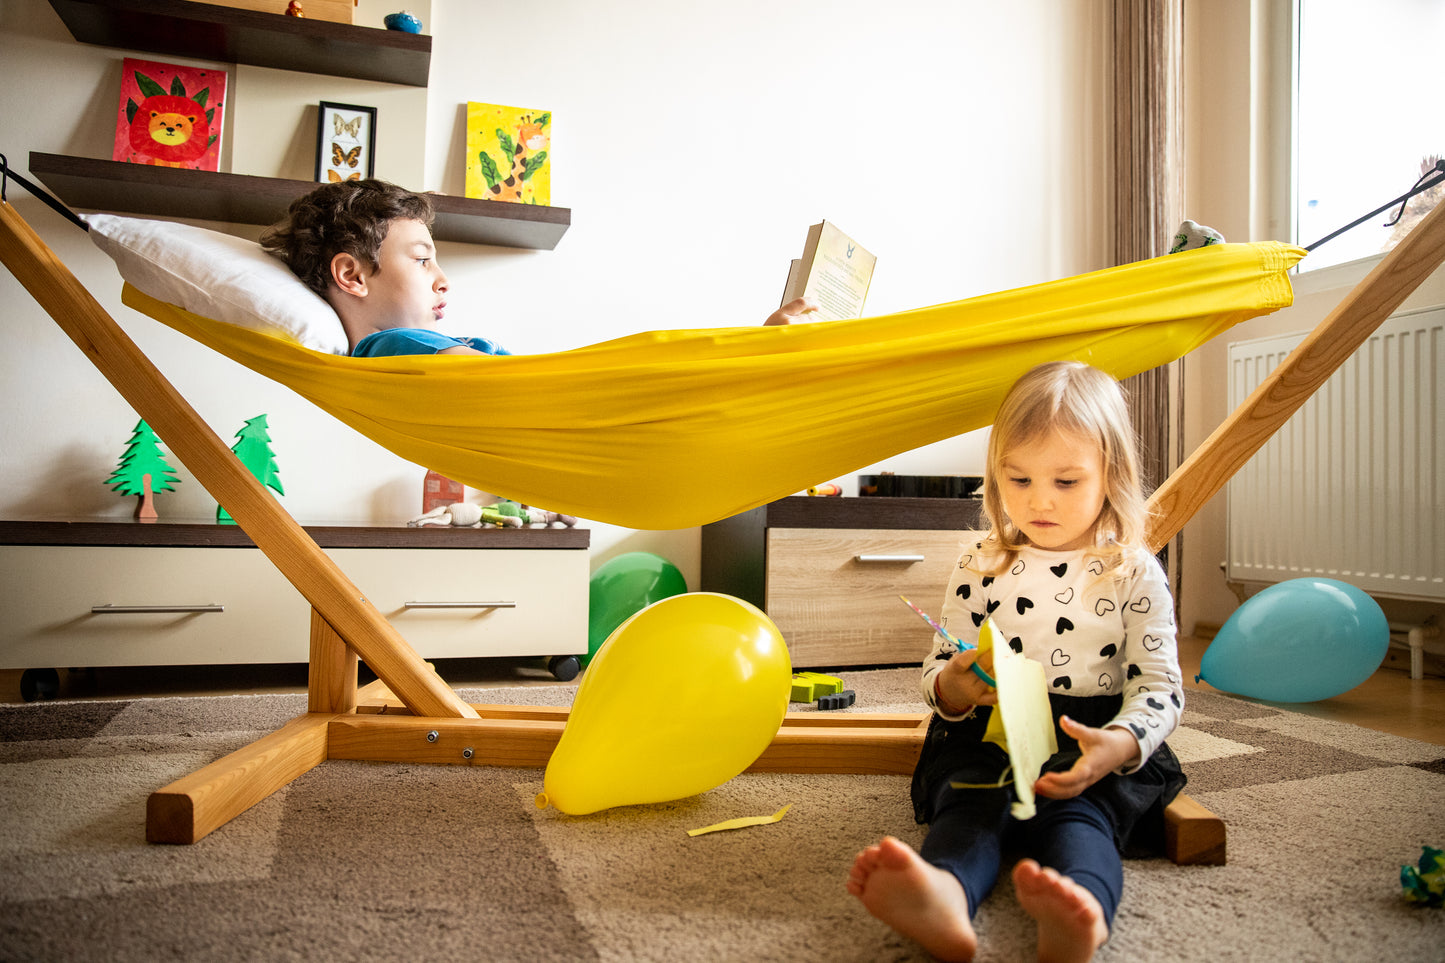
[350,127]
[349,158]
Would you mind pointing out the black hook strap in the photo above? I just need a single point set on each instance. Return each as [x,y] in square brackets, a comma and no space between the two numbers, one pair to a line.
[7,172]
[1436,176]
[1438,168]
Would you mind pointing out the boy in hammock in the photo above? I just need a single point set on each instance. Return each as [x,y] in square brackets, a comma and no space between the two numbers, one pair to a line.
[366,247]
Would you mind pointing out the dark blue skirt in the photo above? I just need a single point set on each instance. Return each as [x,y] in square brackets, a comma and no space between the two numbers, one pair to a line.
[955,752]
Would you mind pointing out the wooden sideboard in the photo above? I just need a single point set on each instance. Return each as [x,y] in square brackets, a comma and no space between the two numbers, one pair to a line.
[828,571]
[129,593]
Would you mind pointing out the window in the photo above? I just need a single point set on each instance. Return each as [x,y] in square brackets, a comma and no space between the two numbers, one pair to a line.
[1367,118]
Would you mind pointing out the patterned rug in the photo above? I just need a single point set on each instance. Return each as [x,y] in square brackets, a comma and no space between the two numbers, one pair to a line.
[363,861]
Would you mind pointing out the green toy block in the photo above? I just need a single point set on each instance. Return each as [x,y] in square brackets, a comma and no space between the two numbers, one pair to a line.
[811,686]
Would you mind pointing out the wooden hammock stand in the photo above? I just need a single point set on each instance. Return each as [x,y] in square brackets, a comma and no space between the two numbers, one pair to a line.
[410,715]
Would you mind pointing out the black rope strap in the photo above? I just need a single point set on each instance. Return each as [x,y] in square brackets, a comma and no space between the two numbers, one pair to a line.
[7,172]
[1436,175]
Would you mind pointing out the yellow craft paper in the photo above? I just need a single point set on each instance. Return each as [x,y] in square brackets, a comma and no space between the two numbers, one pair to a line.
[742,822]
[1022,724]
[673,429]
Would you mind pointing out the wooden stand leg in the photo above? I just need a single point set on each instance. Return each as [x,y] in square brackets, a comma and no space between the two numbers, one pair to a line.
[331,681]
[1193,836]
[190,439]
[189,808]
[1299,376]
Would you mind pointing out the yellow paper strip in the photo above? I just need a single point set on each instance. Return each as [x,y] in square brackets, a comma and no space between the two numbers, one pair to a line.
[742,822]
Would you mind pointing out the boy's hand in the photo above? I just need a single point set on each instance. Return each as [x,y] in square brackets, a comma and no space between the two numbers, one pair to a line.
[960,688]
[1104,750]
[792,311]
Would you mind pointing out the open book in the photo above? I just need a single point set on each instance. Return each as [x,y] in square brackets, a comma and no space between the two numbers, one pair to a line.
[834,270]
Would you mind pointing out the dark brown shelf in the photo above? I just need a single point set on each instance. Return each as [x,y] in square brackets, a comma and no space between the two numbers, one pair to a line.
[85,183]
[209,535]
[204,31]
[801,511]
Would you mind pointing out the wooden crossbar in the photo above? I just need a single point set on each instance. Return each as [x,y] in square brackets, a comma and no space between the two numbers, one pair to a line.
[345,723]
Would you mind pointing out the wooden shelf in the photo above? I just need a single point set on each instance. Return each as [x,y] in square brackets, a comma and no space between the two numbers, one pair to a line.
[168,534]
[204,31]
[103,185]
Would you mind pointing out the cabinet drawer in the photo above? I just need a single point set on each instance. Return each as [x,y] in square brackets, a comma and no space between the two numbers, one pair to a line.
[52,593]
[833,593]
[462,604]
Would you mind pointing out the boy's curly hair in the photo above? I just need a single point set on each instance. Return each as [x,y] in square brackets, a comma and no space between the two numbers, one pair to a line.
[350,217]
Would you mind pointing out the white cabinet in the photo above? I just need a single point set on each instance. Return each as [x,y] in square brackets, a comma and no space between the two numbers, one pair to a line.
[103,594]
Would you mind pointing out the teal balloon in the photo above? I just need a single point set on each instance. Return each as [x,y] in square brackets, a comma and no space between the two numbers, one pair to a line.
[624,586]
[1299,641]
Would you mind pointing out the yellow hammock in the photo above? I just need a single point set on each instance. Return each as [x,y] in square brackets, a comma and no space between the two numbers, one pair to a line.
[672,429]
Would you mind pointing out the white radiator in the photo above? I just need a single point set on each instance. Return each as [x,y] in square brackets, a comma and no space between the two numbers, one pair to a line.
[1353,486]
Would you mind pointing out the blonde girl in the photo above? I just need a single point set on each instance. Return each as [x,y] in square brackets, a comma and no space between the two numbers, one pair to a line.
[1063,573]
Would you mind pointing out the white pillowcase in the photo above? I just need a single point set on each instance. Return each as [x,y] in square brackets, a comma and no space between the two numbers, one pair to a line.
[218,276]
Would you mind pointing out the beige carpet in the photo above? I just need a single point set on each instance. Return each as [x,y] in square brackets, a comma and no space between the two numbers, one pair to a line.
[358,861]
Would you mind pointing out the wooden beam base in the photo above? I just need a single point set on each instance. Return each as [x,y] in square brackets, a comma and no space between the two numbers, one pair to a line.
[1193,836]
[382,729]
[191,807]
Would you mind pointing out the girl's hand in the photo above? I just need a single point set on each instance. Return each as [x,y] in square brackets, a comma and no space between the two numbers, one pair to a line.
[1104,750]
[960,687]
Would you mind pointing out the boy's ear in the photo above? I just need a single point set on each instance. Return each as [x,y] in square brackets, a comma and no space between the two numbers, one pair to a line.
[348,274]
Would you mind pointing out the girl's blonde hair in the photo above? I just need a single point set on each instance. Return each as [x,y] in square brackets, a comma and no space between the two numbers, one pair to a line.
[1075,399]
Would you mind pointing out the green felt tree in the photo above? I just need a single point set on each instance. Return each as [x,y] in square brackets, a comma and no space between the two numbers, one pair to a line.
[253,448]
[143,471]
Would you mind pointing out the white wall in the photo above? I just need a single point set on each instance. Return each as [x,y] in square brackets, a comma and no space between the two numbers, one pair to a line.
[960,142]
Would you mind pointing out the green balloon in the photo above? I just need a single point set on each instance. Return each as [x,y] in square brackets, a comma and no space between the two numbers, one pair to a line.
[624,586]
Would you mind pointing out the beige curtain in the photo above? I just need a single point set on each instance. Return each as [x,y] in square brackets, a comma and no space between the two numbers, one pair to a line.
[1148,50]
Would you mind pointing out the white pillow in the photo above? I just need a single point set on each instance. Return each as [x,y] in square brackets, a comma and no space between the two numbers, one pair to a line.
[218,276]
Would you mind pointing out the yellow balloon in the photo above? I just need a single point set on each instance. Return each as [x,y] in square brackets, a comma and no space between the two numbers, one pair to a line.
[682,696]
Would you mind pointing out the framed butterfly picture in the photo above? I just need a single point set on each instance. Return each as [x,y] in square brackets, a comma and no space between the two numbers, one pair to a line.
[345,143]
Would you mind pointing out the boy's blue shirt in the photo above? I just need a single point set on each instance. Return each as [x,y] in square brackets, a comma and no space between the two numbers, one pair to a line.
[400,341]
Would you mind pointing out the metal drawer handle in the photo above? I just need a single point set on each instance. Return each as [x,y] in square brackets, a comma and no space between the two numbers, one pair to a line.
[459,605]
[889,558]
[154,609]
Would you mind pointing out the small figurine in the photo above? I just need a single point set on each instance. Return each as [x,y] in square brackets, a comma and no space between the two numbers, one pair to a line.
[1424,883]
[293,9]
[143,471]
[811,686]
[253,449]
[405,21]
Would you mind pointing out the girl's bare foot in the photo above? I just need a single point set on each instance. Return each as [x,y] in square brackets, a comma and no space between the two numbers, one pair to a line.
[1071,921]
[917,899]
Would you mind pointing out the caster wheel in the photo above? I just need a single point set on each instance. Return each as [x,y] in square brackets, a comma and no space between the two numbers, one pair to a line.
[38,684]
[565,667]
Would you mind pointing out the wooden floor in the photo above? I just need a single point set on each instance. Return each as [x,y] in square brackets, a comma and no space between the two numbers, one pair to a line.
[1389,701]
